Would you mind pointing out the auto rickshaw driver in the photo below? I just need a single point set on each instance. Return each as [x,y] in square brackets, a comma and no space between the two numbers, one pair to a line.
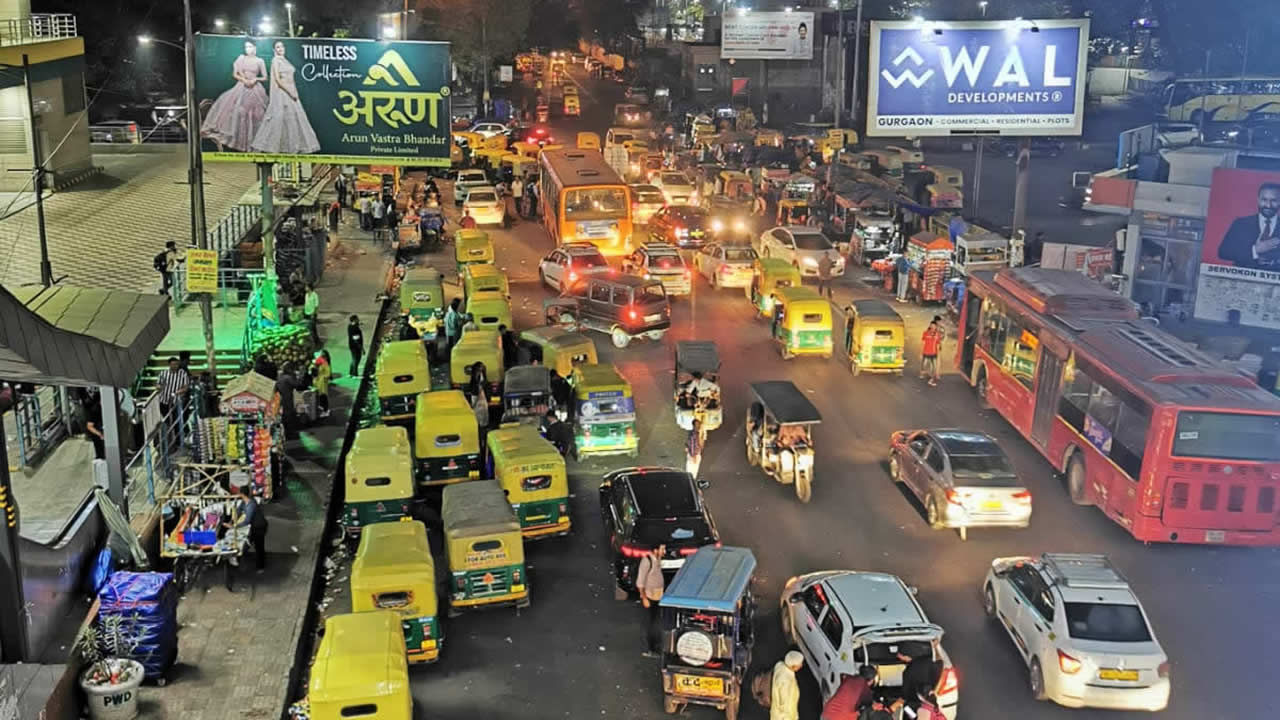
[698,393]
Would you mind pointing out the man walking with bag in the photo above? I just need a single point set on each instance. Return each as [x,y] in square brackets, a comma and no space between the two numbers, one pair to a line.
[650,584]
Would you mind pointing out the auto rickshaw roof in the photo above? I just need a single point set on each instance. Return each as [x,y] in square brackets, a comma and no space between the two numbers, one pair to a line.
[477,507]
[358,659]
[403,356]
[438,403]
[478,269]
[599,377]
[774,266]
[798,293]
[386,548]
[521,443]
[786,403]
[423,276]
[487,300]
[875,308]
[527,379]
[381,439]
[471,236]
[697,356]
[714,578]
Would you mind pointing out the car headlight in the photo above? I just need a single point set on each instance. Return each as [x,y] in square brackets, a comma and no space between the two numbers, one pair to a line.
[810,262]
[740,225]
[717,225]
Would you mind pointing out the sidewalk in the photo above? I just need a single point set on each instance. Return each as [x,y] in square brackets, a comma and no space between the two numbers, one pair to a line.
[235,649]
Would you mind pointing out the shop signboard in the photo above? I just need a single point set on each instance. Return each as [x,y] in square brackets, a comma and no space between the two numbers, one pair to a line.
[202,271]
[327,100]
[1006,77]
[1240,257]
[767,36]
[505,73]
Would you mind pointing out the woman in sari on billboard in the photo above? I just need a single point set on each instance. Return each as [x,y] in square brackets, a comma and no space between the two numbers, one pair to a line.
[286,129]
[234,118]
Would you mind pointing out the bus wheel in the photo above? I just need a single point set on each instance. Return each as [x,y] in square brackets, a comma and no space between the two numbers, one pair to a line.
[1075,479]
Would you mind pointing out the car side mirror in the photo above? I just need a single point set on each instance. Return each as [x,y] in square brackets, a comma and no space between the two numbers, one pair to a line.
[795,599]
[913,589]
[703,484]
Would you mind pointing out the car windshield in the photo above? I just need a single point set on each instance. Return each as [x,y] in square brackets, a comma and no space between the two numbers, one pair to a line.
[589,261]
[674,179]
[1106,622]
[482,196]
[689,530]
[812,241]
[595,203]
[475,176]
[739,254]
[649,197]
[665,261]
[694,217]
[619,138]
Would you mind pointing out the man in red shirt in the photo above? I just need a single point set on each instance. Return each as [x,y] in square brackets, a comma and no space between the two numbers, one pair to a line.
[854,693]
[931,344]
[467,222]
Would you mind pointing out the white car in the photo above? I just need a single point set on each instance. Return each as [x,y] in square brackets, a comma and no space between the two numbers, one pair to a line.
[1084,635]
[486,206]
[466,181]
[676,188]
[563,267]
[662,262]
[489,129]
[1174,135]
[645,201]
[725,265]
[801,246]
[843,619]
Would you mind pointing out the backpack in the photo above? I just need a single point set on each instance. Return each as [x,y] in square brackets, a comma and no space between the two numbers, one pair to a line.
[161,262]
[874,713]
[762,688]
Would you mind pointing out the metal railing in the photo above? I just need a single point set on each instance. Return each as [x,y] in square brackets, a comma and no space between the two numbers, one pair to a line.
[38,27]
[233,227]
[234,287]
[132,133]
[153,467]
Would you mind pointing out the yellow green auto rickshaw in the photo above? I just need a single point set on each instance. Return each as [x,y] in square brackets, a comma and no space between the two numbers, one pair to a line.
[770,275]
[483,544]
[532,474]
[588,141]
[604,418]
[360,670]
[393,570]
[874,337]
[484,277]
[446,447]
[484,346]
[802,323]
[472,246]
[559,349]
[489,309]
[403,371]
[422,299]
[379,478]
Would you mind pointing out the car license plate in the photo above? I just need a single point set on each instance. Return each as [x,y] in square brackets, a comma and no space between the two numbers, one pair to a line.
[1215,536]
[995,505]
[699,685]
[653,318]
[672,564]
[1111,674]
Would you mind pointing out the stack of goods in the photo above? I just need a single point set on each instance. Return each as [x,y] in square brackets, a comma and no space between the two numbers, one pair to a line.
[283,345]
[935,274]
[199,526]
[138,619]
[261,459]
[211,440]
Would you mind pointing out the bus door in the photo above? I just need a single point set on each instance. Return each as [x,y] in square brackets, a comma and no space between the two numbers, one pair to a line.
[972,311]
[1048,389]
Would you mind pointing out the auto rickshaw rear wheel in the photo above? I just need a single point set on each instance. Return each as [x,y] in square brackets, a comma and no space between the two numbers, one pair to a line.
[753,457]
[731,710]
[804,488]
[853,367]
[670,705]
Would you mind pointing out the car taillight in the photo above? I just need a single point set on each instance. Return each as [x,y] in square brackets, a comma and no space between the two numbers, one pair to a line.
[1068,664]
[1163,669]
[957,497]
[633,551]
[572,276]
[1023,497]
[949,683]
[686,552]
[687,275]
[632,314]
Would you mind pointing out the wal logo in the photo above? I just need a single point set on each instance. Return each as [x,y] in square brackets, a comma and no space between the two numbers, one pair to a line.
[908,75]
[388,68]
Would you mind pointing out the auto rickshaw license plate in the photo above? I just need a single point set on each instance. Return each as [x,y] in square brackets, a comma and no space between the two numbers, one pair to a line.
[699,685]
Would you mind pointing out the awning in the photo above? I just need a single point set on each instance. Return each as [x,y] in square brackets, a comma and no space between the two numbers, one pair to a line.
[78,336]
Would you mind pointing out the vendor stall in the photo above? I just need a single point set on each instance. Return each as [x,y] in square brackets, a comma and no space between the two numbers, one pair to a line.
[199,519]
[247,435]
[930,259]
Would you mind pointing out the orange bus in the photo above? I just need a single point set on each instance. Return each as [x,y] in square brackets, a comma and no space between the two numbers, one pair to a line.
[584,200]
[1168,443]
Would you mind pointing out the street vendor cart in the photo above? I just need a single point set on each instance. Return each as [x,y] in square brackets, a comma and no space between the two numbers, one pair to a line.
[930,258]
[248,434]
[200,521]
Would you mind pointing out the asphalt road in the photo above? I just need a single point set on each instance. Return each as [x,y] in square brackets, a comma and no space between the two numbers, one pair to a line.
[576,653]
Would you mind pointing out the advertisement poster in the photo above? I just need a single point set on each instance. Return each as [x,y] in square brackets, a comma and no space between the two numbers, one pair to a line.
[768,36]
[1012,77]
[202,271]
[330,100]
[1240,257]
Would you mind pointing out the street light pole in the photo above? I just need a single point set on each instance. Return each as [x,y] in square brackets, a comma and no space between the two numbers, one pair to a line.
[37,174]
[195,178]
[288,10]
[484,51]
[857,55]
[840,70]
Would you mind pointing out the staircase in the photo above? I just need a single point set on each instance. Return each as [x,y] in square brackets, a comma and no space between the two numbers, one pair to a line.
[226,362]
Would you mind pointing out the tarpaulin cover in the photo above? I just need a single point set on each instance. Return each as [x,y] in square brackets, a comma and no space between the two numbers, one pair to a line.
[148,604]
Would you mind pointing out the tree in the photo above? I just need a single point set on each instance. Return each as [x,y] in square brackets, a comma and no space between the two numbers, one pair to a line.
[477,29]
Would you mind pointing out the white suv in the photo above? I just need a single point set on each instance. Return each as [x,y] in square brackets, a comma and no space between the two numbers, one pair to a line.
[843,619]
[1080,629]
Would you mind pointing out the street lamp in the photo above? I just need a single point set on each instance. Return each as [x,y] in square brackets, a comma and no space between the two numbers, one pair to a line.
[266,27]
[982,5]
[288,8]
[219,23]
[388,32]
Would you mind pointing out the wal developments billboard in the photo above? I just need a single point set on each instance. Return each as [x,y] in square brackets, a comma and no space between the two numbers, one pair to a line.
[1010,77]
[332,100]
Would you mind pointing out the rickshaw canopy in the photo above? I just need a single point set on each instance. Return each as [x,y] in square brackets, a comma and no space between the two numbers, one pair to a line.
[562,350]
[480,345]
[588,141]
[875,308]
[598,378]
[697,356]
[379,464]
[402,357]
[471,245]
[422,289]
[361,661]
[441,414]
[713,578]
[489,308]
[519,448]
[484,277]
[394,556]
[527,379]
[477,508]
[527,149]
[785,403]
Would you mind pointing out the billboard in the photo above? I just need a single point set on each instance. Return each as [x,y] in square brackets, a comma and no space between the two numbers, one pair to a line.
[330,100]
[1240,257]
[1008,77]
[767,36]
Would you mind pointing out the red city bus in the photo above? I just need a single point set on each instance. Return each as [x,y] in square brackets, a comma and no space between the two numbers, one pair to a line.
[1167,442]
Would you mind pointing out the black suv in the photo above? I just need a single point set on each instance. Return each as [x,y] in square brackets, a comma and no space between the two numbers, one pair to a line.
[623,306]
[644,507]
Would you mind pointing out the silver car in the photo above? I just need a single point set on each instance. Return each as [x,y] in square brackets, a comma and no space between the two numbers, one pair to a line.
[964,479]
